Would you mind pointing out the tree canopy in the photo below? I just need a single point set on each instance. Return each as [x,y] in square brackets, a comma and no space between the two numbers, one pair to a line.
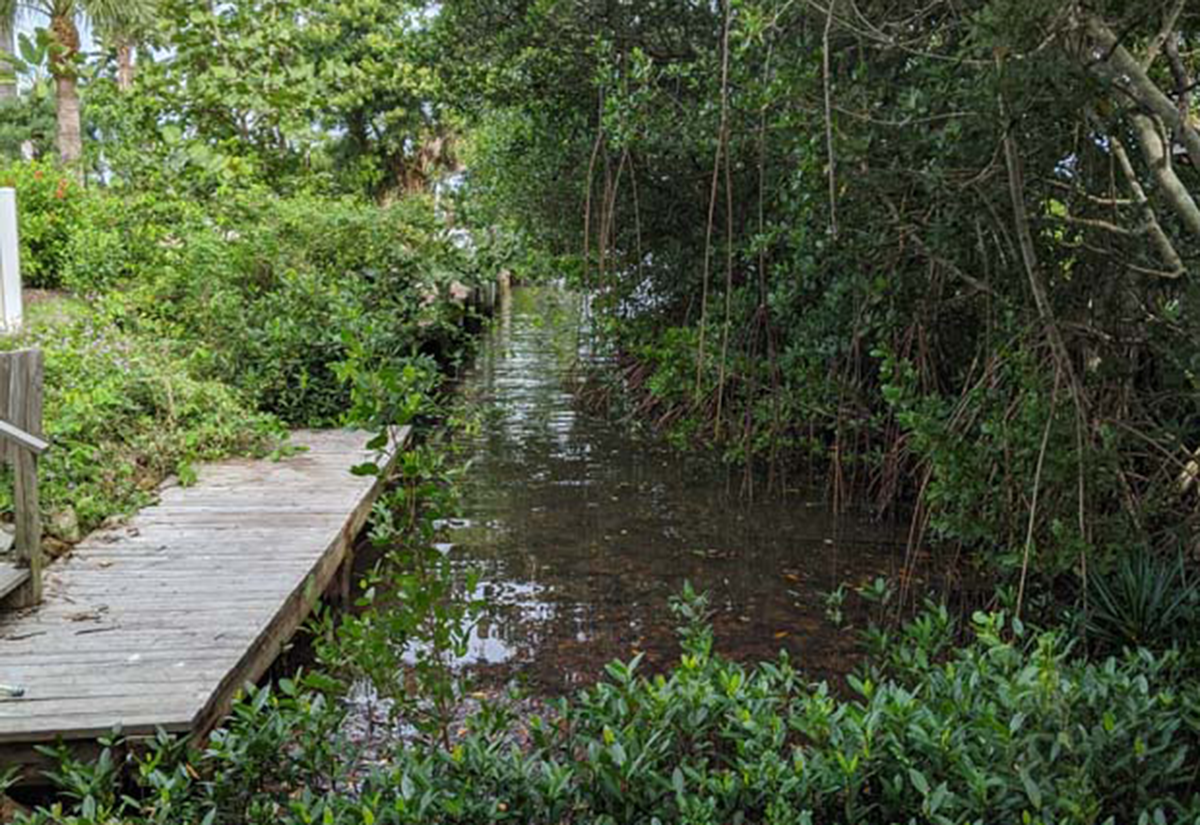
[951,247]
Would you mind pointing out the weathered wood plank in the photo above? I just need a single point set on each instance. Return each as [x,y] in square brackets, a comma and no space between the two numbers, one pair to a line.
[26,369]
[185,539]
[133,580]
[6,450]
[116,669]
[160,621]
[50,700]
[157,545]
[11,577]
[130,655]
[130,642]
[20,439]
[103,716]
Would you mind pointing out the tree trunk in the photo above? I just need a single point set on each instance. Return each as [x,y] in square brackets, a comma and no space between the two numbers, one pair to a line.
[1120,67]
[1157,152]
[70,132]
[62,66]
[124,64]
[8,46]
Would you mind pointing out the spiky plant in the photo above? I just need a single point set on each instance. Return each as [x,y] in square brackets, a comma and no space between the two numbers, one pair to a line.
[1147,601]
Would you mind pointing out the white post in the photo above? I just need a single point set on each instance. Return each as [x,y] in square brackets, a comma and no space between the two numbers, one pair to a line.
[10,263]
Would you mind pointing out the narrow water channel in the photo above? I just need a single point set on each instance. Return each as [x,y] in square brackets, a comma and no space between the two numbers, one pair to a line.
[582,530]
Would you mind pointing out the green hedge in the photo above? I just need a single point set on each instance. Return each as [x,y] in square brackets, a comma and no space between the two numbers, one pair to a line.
[189,330]
[1008,728]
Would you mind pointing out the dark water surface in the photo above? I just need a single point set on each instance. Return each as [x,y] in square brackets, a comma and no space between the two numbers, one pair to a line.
[583,531]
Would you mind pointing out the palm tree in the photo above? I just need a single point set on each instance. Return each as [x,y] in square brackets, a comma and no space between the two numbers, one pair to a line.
[64,30]
[124,34]
[124,62]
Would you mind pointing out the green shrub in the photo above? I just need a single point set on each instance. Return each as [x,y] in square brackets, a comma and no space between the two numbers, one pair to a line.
[1144,601]
[1009,728]
[122,413]
[270,295]
[49,203]
[118,238]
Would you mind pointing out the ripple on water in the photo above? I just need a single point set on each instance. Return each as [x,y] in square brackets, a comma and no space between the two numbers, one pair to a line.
[582,531]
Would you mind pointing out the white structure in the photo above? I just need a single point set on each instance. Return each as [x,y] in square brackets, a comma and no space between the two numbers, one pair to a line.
[10,262]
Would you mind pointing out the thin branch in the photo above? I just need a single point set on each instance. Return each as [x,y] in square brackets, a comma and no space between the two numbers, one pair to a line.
[1183,79]
[1037,284]
[722,138]
[1165,248]
[1097,223]
[906,122]
[1165,35]
[728,293]
[832,158]
[1037,488]
[587,206]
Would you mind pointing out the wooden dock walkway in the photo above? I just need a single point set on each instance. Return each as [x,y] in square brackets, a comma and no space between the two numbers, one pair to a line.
[159,622]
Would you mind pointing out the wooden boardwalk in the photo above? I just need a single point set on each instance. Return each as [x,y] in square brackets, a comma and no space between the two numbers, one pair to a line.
[159,622]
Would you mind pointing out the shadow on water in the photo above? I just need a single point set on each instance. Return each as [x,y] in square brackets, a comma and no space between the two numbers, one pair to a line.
[582,531]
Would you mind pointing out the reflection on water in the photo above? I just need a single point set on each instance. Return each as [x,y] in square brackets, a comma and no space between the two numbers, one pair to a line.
[582,531]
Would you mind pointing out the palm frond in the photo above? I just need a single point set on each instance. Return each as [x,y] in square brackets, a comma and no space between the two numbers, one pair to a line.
[118,13]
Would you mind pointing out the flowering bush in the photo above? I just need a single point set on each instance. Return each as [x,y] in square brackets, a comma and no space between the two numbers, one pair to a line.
[49,205]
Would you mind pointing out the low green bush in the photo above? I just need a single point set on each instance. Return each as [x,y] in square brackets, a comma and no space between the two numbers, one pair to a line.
[269,295]
[1008,728]
[118,238]
[50,203]
[123,412]
[275,293]
[209,323]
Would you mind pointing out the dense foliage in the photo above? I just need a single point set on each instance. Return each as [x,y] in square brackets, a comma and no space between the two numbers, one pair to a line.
[270,295]
[201,329]
[949,249]
[1006,728]
[124,412]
